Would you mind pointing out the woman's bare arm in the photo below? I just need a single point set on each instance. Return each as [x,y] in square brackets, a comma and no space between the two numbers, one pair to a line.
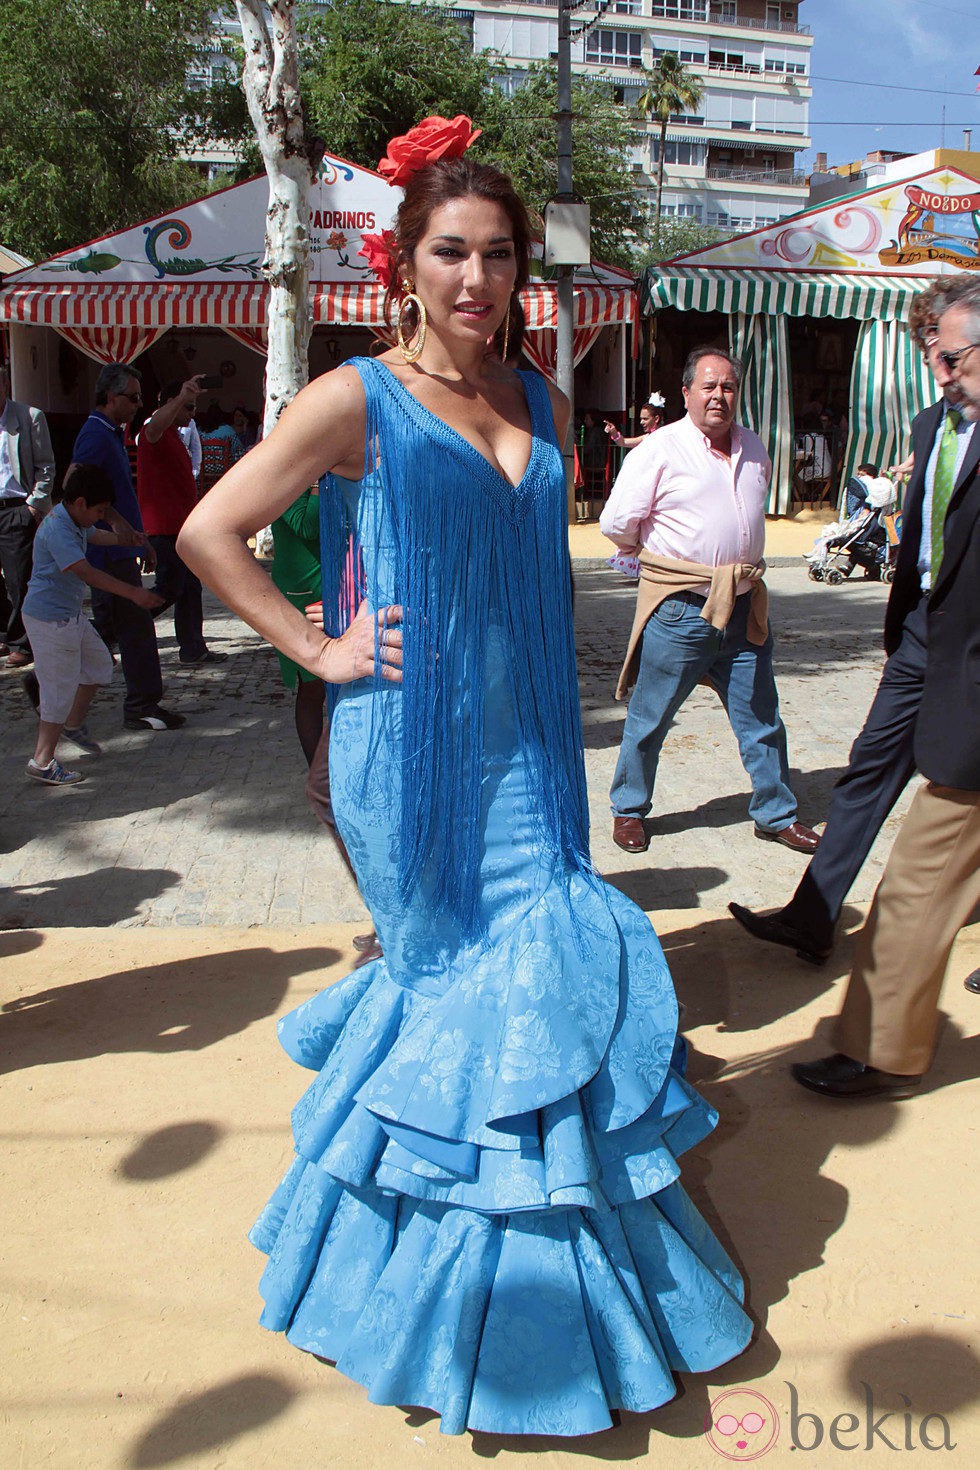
[322,429]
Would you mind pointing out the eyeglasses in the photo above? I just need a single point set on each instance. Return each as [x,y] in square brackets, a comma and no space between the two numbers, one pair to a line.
[951,360]
[728,1424]
[133,397]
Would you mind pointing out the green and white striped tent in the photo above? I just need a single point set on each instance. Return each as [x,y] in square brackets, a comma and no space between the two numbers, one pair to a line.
[884,246]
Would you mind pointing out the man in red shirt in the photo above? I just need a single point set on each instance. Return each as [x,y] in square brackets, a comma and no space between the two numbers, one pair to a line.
[167,494]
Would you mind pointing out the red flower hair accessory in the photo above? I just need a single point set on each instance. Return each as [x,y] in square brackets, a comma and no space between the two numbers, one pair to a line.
[432,138]
[379,252]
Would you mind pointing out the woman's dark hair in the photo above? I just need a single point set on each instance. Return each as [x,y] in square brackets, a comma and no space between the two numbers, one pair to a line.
[439,183]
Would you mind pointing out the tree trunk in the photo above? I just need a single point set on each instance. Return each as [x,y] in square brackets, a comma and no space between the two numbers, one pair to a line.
[660,166]
[271,83]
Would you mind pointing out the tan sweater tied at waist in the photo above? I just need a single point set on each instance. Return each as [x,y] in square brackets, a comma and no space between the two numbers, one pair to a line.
[662,576]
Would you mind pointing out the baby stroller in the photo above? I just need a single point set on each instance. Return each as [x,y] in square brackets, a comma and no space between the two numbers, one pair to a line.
[868,539]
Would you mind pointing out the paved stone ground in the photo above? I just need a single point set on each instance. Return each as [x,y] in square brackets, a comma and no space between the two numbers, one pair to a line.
[209,825]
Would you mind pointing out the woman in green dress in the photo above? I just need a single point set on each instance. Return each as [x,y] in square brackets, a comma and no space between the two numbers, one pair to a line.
[296,572]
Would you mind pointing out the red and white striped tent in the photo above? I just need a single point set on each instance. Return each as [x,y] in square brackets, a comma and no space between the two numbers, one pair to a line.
[200,266]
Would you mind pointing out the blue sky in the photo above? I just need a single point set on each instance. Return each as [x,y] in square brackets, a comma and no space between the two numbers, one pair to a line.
[928,45]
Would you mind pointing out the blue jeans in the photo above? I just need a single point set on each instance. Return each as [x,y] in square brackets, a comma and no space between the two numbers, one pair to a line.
[680,649]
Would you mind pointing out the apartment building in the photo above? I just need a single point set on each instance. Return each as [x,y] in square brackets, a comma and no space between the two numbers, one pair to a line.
[733,164]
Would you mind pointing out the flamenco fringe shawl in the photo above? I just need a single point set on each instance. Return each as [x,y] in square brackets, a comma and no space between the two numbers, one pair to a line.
[468,550]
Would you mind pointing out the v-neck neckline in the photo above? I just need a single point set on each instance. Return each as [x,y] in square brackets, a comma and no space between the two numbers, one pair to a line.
[429,418]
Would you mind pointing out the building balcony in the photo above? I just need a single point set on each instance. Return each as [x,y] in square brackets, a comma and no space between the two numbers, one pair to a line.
[752,24]
[781,177]
[747,72]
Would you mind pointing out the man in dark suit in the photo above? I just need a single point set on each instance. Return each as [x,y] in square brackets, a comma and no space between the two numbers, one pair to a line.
[931,884]
[26,477]
[883,759]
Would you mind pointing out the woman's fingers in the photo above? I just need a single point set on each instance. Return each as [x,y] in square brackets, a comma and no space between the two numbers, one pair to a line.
[371,646]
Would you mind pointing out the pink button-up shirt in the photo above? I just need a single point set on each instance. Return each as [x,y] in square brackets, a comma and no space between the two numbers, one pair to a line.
[678,497]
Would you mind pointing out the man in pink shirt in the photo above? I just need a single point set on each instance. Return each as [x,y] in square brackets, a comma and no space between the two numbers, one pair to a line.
[691,499]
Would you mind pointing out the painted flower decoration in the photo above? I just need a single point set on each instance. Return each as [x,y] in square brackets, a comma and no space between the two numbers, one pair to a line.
[379,252]
[432,138]
[336,240]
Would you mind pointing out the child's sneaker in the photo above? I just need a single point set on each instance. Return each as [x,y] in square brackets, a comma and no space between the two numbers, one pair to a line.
[79,736]
[53,774]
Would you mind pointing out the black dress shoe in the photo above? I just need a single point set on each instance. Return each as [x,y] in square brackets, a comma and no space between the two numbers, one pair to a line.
[972,983]
[796,837]
[775,930]
[841,1076]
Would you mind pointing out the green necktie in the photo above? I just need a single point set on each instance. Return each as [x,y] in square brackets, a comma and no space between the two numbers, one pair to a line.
[942,487]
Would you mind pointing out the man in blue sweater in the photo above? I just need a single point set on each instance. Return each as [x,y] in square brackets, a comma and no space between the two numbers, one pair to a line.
[102,441]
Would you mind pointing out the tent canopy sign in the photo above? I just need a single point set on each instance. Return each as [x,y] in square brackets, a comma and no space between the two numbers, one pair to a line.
[114,297]
[864,257]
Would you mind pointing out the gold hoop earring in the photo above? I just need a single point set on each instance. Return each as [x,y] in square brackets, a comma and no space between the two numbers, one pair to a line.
[412,353]
[503,355]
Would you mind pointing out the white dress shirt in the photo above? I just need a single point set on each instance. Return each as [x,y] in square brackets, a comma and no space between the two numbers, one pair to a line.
[964,433]
[679,497]
[10,486]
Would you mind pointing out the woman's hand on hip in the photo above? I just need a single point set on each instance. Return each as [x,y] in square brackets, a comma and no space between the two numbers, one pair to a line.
[352,655]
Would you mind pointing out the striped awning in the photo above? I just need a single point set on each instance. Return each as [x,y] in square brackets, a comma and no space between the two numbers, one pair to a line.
[782,293]
[135,304]
[163,304]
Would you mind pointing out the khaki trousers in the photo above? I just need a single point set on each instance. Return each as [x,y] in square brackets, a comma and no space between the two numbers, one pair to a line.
[927,892]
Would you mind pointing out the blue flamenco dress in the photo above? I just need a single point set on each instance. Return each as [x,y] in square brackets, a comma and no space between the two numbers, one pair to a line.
[483,1215]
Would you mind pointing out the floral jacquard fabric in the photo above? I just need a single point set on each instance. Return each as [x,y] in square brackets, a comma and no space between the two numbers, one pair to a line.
[483,1216]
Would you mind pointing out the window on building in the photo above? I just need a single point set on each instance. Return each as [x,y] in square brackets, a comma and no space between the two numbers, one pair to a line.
[614,48]
[690,58]
[773,16]
[687,154]
[680,9]
[683,211]
[518,36]
[723,10]
[729,60]
[780,64]
[628,7]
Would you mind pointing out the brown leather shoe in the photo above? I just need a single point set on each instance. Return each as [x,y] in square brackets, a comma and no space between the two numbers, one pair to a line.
[795,836]
[629,833]
[19,658]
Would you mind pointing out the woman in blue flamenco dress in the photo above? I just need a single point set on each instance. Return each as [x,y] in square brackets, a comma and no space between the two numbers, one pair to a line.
[483,1216]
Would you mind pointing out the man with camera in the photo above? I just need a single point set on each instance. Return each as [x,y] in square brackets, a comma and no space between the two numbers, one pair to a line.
[167,495]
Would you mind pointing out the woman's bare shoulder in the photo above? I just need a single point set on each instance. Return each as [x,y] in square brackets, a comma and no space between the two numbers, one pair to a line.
[337,391]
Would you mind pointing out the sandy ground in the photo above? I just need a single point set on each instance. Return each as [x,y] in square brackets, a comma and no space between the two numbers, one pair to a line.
[146,1105]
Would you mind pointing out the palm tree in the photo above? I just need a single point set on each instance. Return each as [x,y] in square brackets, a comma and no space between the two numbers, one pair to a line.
[670,90]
